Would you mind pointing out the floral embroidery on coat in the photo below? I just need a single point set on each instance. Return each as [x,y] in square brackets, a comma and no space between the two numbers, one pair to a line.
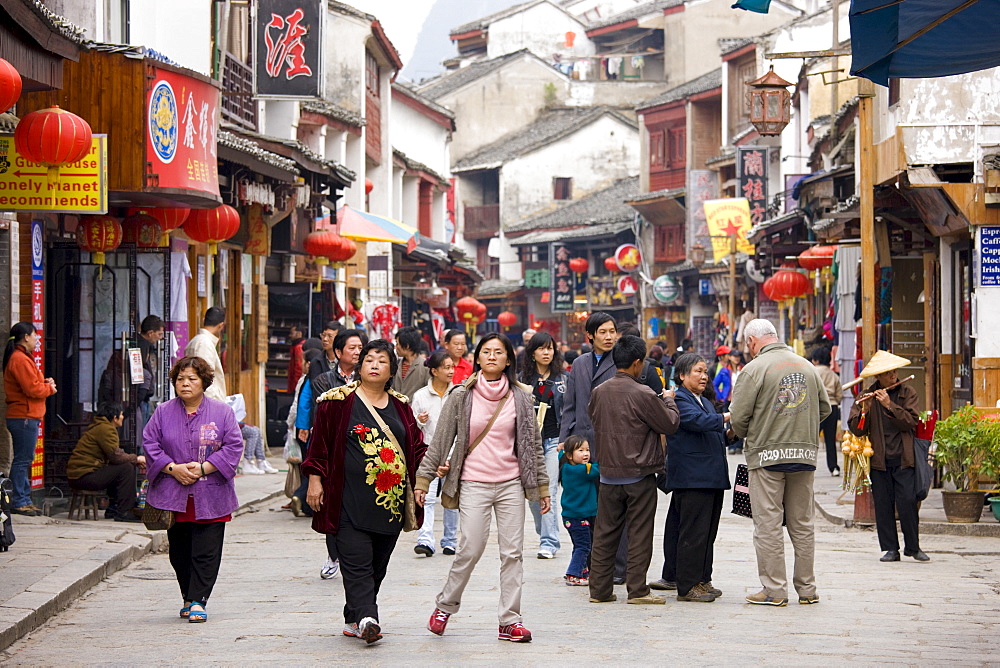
[385,471]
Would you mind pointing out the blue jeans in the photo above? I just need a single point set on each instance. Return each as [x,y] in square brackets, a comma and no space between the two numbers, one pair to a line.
[24,434]
[450,519]
[547,526]
[580,532]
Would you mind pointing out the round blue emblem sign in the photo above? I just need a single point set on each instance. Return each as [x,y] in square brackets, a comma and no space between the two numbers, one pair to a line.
[163,124]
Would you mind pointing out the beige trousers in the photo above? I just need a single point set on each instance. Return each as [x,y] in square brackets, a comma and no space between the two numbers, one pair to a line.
[478,502]
[774,496]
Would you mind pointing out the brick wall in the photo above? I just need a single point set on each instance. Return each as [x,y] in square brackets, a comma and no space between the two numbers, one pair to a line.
[706,132]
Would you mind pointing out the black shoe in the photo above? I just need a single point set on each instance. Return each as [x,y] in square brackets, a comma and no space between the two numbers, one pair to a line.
[425,550]
[891,555]
[449,550]
[663,585]
[918,555]
[619,581]
[30,511]
[127,518]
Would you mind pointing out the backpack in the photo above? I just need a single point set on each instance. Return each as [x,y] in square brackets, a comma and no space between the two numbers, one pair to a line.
[6,505]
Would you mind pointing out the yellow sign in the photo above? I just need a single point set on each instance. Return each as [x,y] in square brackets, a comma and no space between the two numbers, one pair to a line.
[81,187]
[725,218]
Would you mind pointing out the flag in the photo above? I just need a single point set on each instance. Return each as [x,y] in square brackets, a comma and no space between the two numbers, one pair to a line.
[759,6]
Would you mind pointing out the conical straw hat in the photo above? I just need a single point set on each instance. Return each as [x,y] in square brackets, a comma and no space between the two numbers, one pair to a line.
[882,362]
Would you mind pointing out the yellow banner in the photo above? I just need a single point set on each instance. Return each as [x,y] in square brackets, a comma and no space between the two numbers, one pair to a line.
[727,218]
[81,187]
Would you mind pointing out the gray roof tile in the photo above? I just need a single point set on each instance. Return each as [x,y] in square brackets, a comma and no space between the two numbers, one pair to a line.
[636,12]
[598,208]
[451,81]
[485,21]
[705,82]
[336,112]
[550,126]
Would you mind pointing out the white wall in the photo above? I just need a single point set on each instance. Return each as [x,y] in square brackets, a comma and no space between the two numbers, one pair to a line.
[542,29]
[179,29]
[603,151]
[420,138]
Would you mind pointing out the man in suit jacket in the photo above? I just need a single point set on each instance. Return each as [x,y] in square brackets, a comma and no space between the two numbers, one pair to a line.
[589,370]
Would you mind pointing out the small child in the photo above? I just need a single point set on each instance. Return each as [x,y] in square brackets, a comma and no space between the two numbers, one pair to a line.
[579,505]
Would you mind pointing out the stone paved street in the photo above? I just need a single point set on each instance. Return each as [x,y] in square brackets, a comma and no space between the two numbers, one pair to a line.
[271,605]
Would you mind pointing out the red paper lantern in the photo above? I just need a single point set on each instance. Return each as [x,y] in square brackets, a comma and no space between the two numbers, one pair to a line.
[817,257]
[169,219]
[508,319]
[368,186]
[468,309]
[579,265]
[142,230]
[768,288]
[99,235]
[211,226]
[611,264]
[53,137]
[10,85]
[790,284]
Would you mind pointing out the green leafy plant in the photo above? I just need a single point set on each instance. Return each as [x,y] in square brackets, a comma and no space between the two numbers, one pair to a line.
[967,445]
[550,94]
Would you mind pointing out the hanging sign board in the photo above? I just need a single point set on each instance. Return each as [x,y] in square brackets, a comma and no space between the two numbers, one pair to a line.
[727,218]
[989,256]
[563,282]
[81,187]
[288,37]
[666,289]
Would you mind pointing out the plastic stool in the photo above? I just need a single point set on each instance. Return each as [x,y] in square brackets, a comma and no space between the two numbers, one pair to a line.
[83,502]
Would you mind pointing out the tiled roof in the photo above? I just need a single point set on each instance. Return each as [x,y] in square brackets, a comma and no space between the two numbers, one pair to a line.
[705,82]
[585,233]
[59,24]
[412,92]
[451,81]
[498,288]
[730,44]
[416,166]
[669,193]
[250,147]
[485,21]
[600,207]
[636,12]
[8,122]
[549,127]
[307,153]
[336,112]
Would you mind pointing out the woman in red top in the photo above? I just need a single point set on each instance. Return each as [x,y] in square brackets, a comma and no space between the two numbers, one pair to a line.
[27,389]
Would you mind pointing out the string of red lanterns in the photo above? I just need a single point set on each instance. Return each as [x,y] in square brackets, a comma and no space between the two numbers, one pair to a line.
[53,138]
[142,230]
[99,235]
[817,257]
[327,246]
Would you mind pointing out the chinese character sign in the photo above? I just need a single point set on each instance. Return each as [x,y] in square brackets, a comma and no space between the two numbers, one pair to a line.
[727,218]
[289,48]
[563,282]
[702,185]
[753,181]
[182,121]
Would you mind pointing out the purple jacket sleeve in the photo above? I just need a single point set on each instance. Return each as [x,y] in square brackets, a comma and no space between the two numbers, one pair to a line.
[227,458]
[152,438]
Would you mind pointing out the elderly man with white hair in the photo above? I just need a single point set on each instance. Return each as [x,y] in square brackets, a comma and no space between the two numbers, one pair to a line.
[778,403]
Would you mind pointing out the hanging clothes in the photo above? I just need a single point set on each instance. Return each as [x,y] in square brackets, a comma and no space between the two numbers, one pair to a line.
[614,66]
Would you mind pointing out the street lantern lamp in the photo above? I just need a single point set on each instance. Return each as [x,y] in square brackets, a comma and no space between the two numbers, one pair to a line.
[698,255]
[770,103]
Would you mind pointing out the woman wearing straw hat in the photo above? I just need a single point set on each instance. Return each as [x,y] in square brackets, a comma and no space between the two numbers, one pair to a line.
[889,419]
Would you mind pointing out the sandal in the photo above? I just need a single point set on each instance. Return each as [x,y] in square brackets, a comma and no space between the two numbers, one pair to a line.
[195,616]
[186,610]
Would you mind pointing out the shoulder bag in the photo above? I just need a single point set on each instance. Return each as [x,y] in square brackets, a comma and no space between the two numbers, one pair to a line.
[409,502]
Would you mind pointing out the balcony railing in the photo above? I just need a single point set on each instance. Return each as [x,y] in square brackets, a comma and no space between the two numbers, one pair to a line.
[482,222]
[238,105]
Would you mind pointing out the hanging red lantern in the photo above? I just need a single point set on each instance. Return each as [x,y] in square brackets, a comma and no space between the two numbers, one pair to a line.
[170,219]
[579,265]
[211,226]
[467,308]
[768,288]
[790,284]
[10,85]
[368,186]
[98,235]
[817,257]
[53,137]
[507,319]
[343,251]
[327,246]
[610,263]
[142,230]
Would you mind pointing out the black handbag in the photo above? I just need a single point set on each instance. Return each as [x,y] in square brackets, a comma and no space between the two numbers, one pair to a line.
[741,492]
[156,519]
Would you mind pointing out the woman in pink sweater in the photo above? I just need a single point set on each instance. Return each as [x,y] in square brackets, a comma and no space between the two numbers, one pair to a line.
[496,461]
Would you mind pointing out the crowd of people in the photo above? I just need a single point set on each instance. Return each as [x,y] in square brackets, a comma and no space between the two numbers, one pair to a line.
[380,435]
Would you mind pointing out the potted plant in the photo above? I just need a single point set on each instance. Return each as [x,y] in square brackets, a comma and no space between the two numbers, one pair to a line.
[966,446]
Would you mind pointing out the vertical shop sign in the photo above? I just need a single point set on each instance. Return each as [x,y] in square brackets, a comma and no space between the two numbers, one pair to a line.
[702,186]
[562,279]
[38,320]
[289,45]
[182,118]
[753,181]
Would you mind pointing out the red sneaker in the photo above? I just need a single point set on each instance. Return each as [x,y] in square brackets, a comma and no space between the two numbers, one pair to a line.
[515,633]
[438,622]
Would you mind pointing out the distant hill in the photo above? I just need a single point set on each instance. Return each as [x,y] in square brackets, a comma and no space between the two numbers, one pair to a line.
[433,43]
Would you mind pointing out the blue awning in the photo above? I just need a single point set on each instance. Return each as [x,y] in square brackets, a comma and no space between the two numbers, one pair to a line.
[915,39]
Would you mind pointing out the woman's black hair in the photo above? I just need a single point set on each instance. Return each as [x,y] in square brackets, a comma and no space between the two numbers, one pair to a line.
[109,410]
[17,334]
[312,355]
[437,359]
[382,346]
[508,346]
[684,364]
[528,368]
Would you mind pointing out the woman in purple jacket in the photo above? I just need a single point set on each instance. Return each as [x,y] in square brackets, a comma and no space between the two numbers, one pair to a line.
[193,445]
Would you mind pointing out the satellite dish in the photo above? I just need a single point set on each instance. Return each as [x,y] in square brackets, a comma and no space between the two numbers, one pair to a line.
[753,273]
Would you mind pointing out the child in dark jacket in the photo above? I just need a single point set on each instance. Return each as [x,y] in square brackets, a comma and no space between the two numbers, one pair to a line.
[579,478]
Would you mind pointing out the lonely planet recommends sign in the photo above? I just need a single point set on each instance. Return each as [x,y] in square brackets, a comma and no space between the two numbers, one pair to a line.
[81,187]
[666,289]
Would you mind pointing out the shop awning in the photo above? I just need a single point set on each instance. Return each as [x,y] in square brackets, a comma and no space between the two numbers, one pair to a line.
[662,207]
[577,234]
[918,39]
[364,226]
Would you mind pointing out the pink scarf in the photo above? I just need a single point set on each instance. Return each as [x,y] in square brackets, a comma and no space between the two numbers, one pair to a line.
[493,460]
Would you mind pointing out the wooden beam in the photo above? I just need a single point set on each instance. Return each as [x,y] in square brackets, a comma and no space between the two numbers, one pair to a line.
[866,197]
